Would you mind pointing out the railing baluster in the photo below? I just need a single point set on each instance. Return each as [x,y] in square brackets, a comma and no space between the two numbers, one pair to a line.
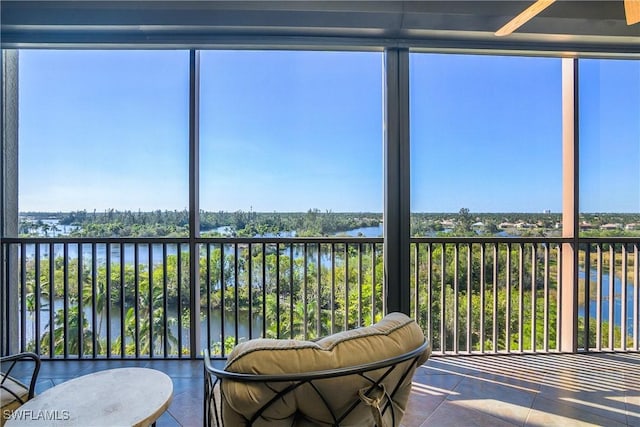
[207,248]
[534,278]
[346,286]
[52,263]
[623,303]
[136,298]
[278,290]
[521,297]
[481,332]
[122,300]
[495,298]
[94,300]
[360,246]
[107,302]
[249,288]
[416,281]
[65,299]
[319,292]
[636,295]
[373,283]
[150,273]
[508,300]
[223,304]
[545,343]
[165,303]
[612,275]
[23,297]
[443,300]
[599,297]
[291,292]
[236,295]
[469,296]
[430,284]
[264,290]
[456,290]
[179,296]
[332,303]
[36,296]
[558,299]
[80,306]
[305,296]
[587,296]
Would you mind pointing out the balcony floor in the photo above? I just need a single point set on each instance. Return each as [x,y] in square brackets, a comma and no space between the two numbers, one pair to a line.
[502,390]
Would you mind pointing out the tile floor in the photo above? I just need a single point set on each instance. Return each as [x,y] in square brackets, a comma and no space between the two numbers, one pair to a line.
[503,390]
[527,390]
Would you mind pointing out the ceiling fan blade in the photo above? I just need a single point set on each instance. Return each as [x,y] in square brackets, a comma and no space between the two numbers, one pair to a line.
[632,11]
[525,16]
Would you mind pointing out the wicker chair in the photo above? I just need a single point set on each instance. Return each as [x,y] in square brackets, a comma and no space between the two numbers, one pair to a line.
[13,393]
[321,383]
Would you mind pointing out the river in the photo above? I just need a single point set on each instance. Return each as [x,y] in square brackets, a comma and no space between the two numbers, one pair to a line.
[157,249]
[617,290]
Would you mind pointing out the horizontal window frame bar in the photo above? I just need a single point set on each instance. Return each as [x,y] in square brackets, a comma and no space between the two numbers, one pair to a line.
[477,44]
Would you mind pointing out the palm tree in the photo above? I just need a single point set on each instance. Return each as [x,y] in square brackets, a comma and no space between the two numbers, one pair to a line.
[31,303]
[71,339]
[101,300]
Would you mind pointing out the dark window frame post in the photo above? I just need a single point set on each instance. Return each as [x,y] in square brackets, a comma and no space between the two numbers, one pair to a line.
[397,208]
[194,202]
[9,200]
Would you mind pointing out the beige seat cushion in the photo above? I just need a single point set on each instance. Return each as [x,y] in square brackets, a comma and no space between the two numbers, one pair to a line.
[8,391]
[394,335]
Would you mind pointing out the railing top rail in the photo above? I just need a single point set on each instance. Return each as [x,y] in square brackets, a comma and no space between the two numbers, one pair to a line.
[321,240]
[491,239]
[184,240]
[88,240]
[295,240]
[635,239]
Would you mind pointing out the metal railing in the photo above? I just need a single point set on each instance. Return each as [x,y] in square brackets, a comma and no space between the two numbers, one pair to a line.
[609,294]
[120,298]
[298,288]
[135,298]
[487,295]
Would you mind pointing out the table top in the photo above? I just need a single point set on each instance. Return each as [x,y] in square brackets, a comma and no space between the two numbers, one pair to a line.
[114,397]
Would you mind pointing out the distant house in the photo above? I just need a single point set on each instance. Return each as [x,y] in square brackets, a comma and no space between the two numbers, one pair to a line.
[586,226]
[616,226]
[632,226]
[524,225]
[506,225]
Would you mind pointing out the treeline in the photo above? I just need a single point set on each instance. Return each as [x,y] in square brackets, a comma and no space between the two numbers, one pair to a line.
[114,223]
[313,223]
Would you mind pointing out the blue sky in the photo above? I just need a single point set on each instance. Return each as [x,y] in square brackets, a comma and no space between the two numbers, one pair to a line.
[290,131]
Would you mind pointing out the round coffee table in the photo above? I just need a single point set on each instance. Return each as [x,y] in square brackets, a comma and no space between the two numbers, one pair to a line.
[114,397]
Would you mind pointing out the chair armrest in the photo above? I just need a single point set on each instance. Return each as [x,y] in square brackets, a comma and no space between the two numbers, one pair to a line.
[314,375]
[14,359]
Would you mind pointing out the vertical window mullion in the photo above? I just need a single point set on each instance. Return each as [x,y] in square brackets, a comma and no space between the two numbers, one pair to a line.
[194,205]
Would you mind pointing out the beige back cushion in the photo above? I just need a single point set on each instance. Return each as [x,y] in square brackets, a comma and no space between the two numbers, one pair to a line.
[394,335]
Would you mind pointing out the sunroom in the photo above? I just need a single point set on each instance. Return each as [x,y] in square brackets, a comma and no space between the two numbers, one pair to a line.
[181,176]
